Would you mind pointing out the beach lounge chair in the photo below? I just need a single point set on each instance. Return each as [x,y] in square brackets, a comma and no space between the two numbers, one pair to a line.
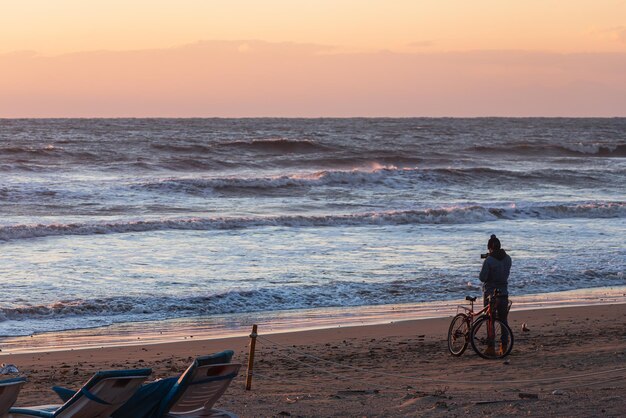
[192,394]
[197,390]
[105,392]
[9,389]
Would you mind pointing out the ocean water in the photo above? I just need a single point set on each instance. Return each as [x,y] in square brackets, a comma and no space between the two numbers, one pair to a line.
[112,221]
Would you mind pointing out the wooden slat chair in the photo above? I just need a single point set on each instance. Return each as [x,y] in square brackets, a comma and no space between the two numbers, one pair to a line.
[105,392]
[9,389]
[198,389]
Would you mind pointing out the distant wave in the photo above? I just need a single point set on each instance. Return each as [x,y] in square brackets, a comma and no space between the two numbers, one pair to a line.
[17,149]
[163,155]
[277,145]
[46,151]
[599,150]
[453,215]
[183,148]
[268,153]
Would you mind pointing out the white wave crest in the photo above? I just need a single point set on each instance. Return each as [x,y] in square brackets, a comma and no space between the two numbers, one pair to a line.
[589,148]
[450,215]
[375,174]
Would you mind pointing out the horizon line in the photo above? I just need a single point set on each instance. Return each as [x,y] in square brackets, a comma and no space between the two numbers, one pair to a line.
[311,117]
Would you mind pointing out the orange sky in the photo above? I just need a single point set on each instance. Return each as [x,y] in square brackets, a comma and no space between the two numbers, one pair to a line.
[304,58]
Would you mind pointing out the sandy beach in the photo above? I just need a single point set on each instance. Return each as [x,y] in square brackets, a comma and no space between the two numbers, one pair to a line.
[571,362]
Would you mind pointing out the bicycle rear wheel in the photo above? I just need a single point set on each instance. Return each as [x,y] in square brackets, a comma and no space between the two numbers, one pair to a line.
[458,334]
[491,344]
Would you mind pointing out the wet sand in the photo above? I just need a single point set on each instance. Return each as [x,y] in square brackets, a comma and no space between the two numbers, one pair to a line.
[571,362]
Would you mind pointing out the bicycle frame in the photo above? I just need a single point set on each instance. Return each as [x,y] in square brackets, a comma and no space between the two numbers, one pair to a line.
[485,319]
[470,311]
[486,311]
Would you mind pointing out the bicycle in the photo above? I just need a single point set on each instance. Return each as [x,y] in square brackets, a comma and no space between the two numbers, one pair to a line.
[490,337]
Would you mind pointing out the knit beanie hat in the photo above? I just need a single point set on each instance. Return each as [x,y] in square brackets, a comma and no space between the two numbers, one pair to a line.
[493,243]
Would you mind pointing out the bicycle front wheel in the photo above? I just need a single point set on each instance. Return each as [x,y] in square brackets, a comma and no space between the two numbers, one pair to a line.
[491,339]
[458,334]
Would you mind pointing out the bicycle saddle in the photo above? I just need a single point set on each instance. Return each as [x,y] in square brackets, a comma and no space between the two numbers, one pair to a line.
[471,299]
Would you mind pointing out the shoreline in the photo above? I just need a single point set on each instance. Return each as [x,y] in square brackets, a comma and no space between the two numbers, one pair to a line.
[368,368]
[238,325]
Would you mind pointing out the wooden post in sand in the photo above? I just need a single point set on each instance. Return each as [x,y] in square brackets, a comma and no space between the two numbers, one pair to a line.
[251,357]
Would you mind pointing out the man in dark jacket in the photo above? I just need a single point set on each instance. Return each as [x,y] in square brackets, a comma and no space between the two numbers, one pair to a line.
[495,276]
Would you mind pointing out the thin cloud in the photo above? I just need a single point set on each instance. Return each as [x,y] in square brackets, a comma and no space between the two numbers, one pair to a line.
[257,46]
[616,33]
[421,44]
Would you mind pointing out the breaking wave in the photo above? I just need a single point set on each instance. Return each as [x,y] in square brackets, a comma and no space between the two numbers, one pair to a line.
[320,178]
[234,301]
[451,215]
[380,174]
[84,313]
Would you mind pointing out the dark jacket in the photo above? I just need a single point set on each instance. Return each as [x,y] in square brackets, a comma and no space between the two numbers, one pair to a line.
[495,272]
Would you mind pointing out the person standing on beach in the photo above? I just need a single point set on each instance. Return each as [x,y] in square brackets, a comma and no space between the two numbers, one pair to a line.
[495,276]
